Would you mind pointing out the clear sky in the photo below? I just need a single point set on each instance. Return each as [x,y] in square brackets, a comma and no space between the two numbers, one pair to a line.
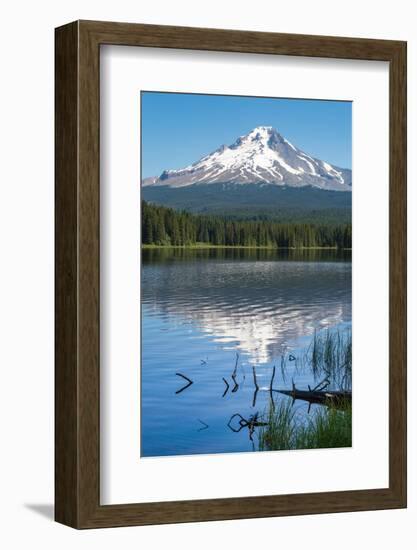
[179,129]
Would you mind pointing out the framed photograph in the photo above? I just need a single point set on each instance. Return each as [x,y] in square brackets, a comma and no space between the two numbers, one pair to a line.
[230,274]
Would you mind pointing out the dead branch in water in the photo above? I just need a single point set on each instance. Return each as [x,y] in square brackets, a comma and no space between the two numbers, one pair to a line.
[205,426]
[254,379]
[256,387]
[227,387]
[320,395]
[271,388]
[251,423]
[242,422]
[235,369]
[236,386]
[321,385]
[189,382]
[272,379]
[255,395]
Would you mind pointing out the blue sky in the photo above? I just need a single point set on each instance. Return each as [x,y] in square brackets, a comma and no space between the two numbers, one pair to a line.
[178,129]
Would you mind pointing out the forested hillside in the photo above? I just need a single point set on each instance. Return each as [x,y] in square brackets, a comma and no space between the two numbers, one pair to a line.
[272,202]
[165,226]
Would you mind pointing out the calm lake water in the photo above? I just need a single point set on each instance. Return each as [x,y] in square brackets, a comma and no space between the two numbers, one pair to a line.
[201,309]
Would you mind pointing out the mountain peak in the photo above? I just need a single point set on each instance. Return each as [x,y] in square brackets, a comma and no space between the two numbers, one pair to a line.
[262,156]
[261,131]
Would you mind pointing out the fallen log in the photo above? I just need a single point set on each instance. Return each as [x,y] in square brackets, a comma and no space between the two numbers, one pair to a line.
[322,397]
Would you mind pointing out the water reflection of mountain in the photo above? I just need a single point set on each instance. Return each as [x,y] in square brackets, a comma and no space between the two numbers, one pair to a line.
[258,301]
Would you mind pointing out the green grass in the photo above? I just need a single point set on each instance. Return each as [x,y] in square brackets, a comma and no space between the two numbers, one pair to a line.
[326,427]
[279,434]
[330,356]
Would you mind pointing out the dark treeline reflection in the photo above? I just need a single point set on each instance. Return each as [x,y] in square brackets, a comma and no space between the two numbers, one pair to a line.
[169,254]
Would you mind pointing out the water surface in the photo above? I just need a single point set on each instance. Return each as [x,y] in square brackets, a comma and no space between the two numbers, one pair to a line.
[204,309]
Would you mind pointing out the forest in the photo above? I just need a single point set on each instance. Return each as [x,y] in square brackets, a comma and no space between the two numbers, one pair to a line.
[164,226]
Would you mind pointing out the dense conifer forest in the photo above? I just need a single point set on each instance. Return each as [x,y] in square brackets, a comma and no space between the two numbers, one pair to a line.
[164,226]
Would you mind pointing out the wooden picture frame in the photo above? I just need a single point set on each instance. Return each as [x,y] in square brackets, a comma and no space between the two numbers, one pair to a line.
[77,424]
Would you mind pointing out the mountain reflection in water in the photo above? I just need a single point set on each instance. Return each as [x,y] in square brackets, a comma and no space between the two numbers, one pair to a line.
[247,300]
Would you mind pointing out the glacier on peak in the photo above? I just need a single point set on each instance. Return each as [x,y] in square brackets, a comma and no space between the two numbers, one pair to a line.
[261,156]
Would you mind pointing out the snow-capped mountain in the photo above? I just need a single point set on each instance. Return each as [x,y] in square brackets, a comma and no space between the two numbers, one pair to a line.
[262,156]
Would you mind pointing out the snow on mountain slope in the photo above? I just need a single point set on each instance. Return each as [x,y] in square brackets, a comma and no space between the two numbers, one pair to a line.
[261,156]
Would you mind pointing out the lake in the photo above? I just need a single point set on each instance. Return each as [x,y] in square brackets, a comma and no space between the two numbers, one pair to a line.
[207,311]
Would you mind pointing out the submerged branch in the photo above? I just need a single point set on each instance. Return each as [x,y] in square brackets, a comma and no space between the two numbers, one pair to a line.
[236,386]
[272,380]
[227,387]
[189,382]
[254,379]
[205,426]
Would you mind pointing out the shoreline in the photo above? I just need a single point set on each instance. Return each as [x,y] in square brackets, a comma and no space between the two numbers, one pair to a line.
[203,246]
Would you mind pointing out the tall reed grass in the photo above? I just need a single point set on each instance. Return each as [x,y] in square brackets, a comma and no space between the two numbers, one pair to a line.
[330,356]
[326,427]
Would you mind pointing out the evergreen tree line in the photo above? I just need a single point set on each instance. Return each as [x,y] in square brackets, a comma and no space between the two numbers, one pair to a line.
[165,226]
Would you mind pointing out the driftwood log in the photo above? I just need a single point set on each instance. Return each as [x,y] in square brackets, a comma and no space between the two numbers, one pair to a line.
[320,396]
